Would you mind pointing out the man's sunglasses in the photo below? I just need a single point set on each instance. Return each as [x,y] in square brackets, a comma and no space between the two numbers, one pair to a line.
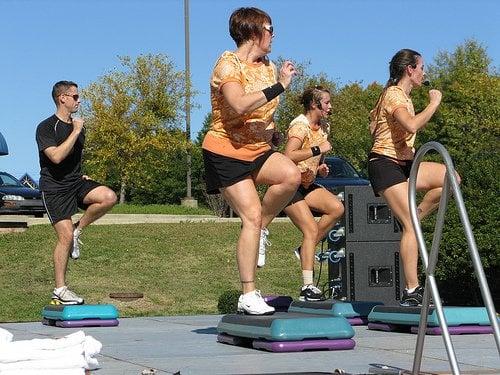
[74,96]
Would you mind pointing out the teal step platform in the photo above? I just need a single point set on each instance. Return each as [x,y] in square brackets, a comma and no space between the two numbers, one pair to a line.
[347,309]
[79,312]
[455,316]
[283,326]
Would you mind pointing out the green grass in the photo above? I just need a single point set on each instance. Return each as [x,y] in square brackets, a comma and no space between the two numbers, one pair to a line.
[181,268]
[166,209]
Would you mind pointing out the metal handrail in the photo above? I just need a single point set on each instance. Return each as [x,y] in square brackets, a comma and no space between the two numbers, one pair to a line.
[429,261]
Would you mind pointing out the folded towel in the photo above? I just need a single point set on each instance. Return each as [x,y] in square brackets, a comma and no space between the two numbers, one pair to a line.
[11,354]
[76,361]
[64,342]
[67,371]
[5,336]
[74,351]
[91,347]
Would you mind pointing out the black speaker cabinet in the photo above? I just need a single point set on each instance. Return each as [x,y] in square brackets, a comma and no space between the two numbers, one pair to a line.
[367,217]
[370,271]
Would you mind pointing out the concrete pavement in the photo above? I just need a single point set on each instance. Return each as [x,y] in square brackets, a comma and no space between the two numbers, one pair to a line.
[187,344]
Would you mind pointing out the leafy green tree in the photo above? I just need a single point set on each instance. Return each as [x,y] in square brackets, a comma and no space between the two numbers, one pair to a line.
[467,125]
[133,121]
[351,105]
[205,127]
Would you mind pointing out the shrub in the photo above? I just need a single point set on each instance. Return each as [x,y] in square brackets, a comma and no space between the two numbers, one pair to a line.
[228,301]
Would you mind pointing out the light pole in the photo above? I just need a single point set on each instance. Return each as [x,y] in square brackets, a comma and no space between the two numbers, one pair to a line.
[188,200]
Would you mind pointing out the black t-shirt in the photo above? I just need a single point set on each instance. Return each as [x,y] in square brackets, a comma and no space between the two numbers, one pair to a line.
[63,176]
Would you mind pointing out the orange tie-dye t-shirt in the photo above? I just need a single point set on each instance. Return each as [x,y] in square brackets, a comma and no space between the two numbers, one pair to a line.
[247,136]
[300,128]
[389,137]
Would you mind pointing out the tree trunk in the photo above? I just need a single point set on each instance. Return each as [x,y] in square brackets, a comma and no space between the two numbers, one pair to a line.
[122,192]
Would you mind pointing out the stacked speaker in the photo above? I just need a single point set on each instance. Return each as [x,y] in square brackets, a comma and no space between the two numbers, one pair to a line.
[363,256]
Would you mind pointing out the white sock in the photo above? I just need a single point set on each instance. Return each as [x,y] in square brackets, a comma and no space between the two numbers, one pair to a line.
[249,293]
[412,289]
[307,277]
[59,290]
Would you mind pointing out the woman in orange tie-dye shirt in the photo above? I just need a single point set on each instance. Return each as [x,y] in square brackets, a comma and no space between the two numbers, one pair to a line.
[237,153]
[394,125]
[307,144]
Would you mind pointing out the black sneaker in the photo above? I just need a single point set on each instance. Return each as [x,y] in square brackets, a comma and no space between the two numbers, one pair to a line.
[412,299]
[310,293]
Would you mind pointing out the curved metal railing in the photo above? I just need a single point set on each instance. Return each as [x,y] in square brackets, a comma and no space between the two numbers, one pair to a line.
[429,261]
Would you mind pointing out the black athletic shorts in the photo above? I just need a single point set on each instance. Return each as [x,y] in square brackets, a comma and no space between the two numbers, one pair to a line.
[385,172]
[301,193]
[222,171]
[63,205]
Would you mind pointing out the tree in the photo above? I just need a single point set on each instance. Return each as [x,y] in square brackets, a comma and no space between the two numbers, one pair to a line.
[351,106]
[467,125]
[133,122]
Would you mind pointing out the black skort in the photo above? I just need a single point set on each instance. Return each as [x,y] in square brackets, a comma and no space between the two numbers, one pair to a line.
[385,172]
[222,171]
[301,193]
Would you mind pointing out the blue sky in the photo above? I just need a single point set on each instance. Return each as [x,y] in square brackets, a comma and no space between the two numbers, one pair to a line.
[44,41]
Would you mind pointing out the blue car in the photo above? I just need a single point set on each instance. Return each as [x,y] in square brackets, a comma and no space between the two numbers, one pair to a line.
[17,199]
[341,174]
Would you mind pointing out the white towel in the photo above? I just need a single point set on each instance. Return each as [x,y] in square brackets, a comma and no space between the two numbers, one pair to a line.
[5,336]
[91,347]
[73,361]
[11,354]
[64,342]
[68,371]
[74,351]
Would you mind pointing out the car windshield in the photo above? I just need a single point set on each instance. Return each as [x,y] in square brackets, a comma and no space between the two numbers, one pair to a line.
[8,180]
[340,168]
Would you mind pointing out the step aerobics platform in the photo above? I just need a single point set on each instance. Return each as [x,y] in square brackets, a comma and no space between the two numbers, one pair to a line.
[460,320]
[285,332]
[280,303]
[70,316]
[356,312]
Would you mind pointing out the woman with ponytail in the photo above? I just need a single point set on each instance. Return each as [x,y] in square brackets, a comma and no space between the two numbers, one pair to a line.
[393,127]
[306,146]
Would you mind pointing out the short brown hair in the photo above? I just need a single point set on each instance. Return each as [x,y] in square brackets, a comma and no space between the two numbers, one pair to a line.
[60,88]
[246,23]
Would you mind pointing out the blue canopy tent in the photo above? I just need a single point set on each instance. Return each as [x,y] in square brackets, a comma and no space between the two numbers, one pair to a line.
[4,150]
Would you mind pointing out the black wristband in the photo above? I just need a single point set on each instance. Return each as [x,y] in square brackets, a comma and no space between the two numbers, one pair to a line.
[273,91]
[315,150]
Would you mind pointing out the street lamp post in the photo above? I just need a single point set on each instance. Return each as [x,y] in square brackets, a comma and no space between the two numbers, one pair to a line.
[188,200]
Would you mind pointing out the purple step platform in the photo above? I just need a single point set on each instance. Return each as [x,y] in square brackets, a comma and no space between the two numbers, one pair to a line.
[81,323]
[457,330]
[287,346]
[280,303]
[358,321]
[453,330]
[300,346]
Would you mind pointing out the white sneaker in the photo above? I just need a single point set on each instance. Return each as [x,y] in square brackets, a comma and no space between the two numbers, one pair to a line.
[252,303]
[263,244]
[75,252]
[66,297]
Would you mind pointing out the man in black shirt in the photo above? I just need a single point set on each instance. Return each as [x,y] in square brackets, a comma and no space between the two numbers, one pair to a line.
[60,140]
